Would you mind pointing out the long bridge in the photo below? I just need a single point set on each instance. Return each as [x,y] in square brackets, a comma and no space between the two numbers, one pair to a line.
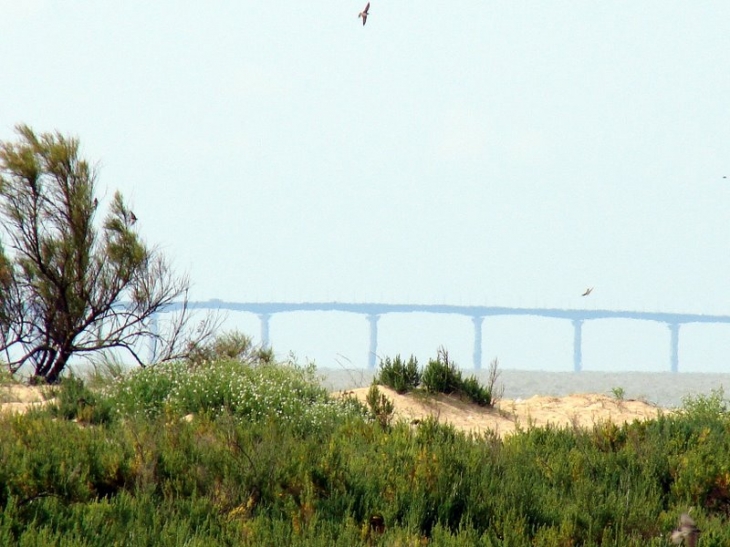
[373,311]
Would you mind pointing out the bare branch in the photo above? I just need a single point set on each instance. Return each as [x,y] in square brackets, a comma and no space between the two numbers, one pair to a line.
[68,285]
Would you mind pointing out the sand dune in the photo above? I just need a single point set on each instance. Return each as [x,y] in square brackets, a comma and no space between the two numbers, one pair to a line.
[19,398]
[580,410]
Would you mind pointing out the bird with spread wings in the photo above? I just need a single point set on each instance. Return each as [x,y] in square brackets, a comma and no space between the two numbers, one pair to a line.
[364,14]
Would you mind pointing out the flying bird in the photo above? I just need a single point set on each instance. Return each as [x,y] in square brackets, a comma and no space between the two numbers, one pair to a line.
[364,14]
[687,531]
[587,292]
[132,217]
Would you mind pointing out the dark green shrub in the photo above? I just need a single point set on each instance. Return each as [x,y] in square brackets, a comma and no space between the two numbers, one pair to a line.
[441,375]
[75,401]
[49,458]
[475,392]
[399,375]
[381,408]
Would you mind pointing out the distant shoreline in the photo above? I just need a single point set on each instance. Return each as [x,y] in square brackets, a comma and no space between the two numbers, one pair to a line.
[664,389]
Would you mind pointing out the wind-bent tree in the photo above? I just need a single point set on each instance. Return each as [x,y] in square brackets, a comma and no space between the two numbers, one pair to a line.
[67,286]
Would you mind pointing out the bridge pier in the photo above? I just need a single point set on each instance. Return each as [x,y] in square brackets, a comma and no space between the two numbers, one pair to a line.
[264,318]
[373,351]
[577,345]
[373,311]
[477,320]
[674,347]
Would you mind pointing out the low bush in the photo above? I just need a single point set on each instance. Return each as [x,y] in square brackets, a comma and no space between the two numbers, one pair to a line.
[75,401]
[476,392]
[256,392]
[399,375]
[381,408]
[441,375]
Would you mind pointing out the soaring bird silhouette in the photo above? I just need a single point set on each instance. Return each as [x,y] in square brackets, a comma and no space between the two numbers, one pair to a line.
[587,292]
[364,14]
[687,531]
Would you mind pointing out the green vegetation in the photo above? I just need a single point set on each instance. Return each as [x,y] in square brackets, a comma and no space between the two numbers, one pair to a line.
[618,393]
[441,375]
[399,375]
[244,451]
[70,284]
[381,408]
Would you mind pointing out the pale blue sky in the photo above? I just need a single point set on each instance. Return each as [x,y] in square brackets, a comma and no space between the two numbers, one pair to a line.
[493,153]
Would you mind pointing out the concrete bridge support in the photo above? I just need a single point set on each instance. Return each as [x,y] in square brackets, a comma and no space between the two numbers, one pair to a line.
[674,347]
[373,311]
[477,320]
[577,345]
[373,350]
[264,318]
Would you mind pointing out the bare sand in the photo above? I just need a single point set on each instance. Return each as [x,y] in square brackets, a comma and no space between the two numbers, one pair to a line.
[509,415]
[19,398]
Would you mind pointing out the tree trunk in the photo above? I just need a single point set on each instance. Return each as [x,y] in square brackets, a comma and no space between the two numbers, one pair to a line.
[59,364]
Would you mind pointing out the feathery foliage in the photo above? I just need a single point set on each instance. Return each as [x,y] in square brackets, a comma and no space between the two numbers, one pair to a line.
[441,375]
[68,285]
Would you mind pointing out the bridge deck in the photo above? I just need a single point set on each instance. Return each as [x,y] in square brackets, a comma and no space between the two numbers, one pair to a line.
[373,311]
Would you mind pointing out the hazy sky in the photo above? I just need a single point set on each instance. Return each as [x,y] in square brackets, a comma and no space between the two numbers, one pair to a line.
[494,153]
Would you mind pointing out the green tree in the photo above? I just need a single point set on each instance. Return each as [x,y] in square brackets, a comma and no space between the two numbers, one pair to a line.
[68,286]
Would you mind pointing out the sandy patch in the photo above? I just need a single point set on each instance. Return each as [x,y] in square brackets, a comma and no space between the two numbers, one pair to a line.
[582,410]
[20,398]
